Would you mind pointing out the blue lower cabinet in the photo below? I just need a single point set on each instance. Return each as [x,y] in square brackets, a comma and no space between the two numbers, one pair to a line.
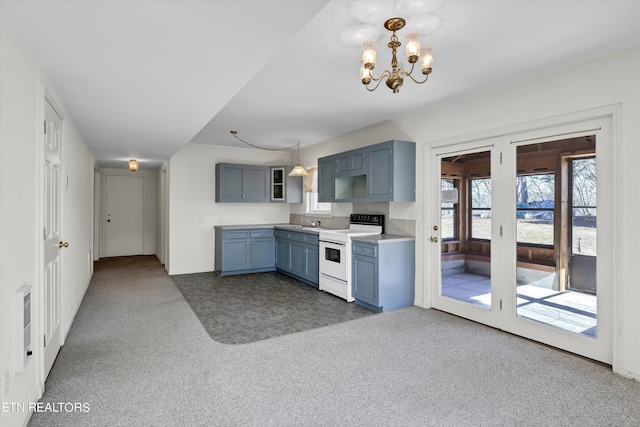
[312,259]
[283,249]
[240,251]
[383,274]
[297,255]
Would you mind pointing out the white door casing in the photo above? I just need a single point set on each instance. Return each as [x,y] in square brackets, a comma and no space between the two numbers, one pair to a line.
[124,215]
[52,289]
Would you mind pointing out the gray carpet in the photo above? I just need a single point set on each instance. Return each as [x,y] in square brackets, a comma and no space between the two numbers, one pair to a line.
[251,307]
[138,356]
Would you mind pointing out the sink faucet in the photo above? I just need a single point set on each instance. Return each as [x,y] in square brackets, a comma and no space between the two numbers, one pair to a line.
[313,223]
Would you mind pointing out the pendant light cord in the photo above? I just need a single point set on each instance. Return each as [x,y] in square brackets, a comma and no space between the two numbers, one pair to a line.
[235,135]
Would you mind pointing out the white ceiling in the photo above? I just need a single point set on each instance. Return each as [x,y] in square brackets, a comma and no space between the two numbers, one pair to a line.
[141,79]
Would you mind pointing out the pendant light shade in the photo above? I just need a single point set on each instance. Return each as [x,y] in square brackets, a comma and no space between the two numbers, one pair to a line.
[133,165]
[298,169]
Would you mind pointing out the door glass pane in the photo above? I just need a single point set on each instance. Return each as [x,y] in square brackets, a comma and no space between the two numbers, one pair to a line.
[449,210]
[480,198]
[555,208]
[465,228]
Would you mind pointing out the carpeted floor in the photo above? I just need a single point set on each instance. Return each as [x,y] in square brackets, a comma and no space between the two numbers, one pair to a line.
[137,355]
[251,307]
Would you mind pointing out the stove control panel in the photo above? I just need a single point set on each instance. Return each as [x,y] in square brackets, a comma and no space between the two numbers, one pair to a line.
[367,219]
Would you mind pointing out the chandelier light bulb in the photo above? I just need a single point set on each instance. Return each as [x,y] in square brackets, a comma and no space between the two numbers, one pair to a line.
[426,60]
[369,54]
[365,74]
[413,47]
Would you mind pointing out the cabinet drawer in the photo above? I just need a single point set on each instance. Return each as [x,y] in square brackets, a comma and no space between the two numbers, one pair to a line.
[262,233]
[365,249]
[298,237]
[311,238]
[236,234]
[282,234]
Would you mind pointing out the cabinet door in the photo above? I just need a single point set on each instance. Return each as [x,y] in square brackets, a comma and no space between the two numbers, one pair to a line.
[359,162]
[326,182]
[381,174]
[235,254]
[297,258]
[256,184]
[230,183]
[365,279]
[350,163]
[262,253]
[283,259]
[312,264]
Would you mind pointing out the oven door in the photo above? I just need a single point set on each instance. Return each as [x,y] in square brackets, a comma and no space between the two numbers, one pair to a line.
[333,259]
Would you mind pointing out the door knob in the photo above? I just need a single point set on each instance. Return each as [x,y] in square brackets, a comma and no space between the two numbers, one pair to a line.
[63,245]
[434,239]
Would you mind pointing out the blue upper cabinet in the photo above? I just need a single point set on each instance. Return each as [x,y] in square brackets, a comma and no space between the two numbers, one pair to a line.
[242,183]
[380,172]
[326,173]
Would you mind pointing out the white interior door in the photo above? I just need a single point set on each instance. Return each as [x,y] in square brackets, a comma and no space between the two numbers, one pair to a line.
[124,215]
[500,225]
[52,235]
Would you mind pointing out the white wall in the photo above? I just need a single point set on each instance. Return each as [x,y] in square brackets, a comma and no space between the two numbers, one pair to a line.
[613,79]
[151,189]
[77,228]
[21,116]
[193,211]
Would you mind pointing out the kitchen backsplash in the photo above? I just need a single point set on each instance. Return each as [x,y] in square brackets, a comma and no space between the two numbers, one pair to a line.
[401,227]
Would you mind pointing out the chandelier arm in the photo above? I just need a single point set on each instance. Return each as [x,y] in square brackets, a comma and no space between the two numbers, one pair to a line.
[419,82]
[379,80]
[384,73]
[235,135]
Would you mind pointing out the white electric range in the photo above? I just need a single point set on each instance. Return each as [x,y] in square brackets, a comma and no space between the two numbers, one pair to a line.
[335,253]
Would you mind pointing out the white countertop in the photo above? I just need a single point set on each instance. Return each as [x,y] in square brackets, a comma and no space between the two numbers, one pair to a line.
[383,238]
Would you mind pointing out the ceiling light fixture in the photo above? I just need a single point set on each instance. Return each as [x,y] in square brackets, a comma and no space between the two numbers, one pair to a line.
[133,165]
[394,78]
[298,169]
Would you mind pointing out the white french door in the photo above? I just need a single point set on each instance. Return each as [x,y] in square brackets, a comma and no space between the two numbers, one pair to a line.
[506,217]
[465,279]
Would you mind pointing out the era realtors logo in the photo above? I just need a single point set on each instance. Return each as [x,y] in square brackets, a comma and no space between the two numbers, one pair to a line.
[45,407]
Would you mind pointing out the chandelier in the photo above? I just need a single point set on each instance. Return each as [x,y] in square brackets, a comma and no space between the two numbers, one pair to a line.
[394,78]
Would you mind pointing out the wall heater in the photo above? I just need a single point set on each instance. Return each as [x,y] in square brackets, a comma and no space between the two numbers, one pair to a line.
[22,310]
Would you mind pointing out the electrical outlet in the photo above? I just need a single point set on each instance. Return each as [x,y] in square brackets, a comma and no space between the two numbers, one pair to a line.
[5,380]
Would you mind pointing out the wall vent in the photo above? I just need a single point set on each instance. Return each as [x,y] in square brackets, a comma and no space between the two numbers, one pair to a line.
[22,310]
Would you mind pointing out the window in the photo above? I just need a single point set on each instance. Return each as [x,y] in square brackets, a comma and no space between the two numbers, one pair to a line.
[312,206]
[449,209]
[583,206]
[480,212]
[535,196]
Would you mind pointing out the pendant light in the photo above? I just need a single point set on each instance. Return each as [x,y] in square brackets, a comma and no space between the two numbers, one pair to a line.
[298,170]
[133,165]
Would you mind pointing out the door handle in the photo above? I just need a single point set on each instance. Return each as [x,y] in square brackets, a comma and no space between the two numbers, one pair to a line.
[434,239]
[63,245]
